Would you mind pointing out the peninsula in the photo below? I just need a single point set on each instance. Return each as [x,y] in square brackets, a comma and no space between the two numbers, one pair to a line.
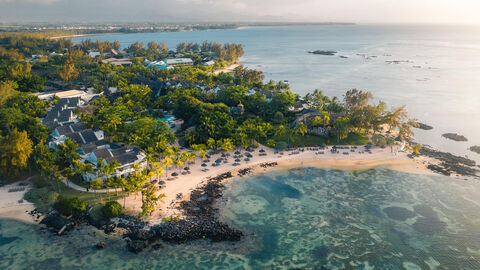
[143,138]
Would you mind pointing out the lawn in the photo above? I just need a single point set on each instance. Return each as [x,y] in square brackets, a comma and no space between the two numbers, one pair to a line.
[47,192]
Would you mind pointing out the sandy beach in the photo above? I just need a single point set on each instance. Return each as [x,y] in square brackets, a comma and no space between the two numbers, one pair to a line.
[228,69]
[178,188]
[73,36]
[12,204]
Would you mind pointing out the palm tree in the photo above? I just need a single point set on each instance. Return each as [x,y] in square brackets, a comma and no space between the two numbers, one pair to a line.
[301,128]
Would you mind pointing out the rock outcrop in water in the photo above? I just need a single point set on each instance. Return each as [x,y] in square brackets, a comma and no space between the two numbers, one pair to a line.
[320,52]
[450,163]
[475,149]
[424,126]
[455,137]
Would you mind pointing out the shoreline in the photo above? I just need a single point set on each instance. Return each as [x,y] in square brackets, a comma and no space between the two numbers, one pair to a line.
[12,204]
[228,69]
[178,189]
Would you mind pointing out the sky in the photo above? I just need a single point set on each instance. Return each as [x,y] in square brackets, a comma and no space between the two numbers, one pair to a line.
[356,11]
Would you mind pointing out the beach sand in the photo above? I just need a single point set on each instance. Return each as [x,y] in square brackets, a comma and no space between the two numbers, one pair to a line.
[228,69]
[180,187]
[12,204]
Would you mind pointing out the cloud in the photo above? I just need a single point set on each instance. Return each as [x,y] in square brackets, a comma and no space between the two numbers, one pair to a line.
[240,10]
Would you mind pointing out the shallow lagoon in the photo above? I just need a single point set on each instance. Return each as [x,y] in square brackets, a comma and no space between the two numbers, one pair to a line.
[301,218]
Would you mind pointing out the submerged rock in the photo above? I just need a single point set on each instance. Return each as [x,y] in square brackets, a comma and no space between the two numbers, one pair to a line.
[136,246]
[100,245]
[398,213]
[455,137]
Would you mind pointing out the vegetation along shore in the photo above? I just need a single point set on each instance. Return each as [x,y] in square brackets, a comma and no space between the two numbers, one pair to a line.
[141,140]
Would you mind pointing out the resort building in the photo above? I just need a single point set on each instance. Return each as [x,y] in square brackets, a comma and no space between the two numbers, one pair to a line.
[306,115]
[179,62]
[125,156]
[61,94]
[64,124]
[118,62]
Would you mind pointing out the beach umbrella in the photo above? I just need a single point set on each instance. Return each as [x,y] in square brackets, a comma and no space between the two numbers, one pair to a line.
[248,155]
[246,159]
[223,155]
[237,160]
[186,168]
[204,165]
[218,160]
[262,150]
[174,174]
[237,153]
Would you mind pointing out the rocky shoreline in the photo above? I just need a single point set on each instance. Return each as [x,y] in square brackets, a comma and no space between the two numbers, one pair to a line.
[200,221]
[449,163]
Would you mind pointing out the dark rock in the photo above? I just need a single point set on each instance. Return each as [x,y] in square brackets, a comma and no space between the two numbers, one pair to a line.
[450,163]
[157,246]
[54,221]
[109,228]
[456,137]
[475,149]
[424,126]
[320,52]
[438,169]
[200,221]
[101,245]
[137,245]
[446,157]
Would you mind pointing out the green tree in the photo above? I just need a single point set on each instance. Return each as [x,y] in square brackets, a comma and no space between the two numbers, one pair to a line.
[7,90]
[151,135]
[340,128]
[15,150]
[68,72]
[301,128]
[150,199]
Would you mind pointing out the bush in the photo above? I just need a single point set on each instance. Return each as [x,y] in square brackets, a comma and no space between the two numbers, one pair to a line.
[390,141]
[379,140]
[70,206]
[112,209]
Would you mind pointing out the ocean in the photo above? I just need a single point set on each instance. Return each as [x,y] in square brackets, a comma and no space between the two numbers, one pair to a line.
[311,218]
[435,69]
[305,218]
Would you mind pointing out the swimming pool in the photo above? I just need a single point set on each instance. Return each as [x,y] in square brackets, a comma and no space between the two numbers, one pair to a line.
[166,118]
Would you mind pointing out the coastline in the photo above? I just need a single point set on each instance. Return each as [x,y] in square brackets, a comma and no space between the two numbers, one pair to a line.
[179,188]
[12,204]
[74,36]
[228,69]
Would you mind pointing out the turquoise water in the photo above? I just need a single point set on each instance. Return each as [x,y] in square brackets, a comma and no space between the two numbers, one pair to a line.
[301,218]
[437,78]
[166,118]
